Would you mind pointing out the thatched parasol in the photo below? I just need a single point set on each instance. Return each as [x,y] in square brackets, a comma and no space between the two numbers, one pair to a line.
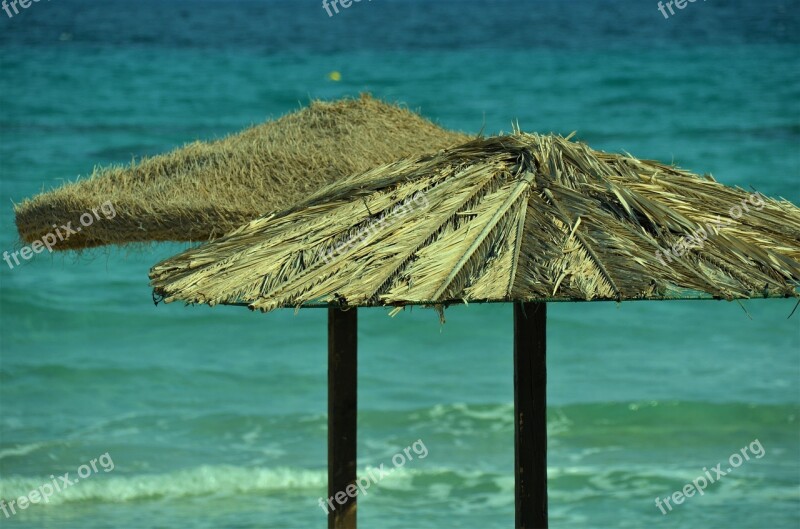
[512,218]
[522,218]
[204,189]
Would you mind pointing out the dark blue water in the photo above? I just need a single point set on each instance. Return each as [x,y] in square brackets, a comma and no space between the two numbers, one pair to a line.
[216,417]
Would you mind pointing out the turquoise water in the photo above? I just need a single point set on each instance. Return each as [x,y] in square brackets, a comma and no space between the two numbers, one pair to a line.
[215,418]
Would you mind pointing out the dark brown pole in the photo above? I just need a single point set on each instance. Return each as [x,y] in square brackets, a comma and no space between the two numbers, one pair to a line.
[342,414]
[530,415]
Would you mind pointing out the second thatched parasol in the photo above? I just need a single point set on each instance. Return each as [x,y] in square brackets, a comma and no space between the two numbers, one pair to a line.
[203,190]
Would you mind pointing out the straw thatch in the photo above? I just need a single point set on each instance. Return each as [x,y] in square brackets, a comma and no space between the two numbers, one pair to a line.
[521,217]
[203,190]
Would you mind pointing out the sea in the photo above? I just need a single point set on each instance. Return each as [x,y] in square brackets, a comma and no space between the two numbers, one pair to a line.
[123,414]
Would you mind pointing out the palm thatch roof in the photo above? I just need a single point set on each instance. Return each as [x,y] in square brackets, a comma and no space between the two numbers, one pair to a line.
[520,217]
[205,189]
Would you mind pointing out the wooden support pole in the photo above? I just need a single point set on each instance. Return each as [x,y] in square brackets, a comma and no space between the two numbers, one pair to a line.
[342,414]
[530,415]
